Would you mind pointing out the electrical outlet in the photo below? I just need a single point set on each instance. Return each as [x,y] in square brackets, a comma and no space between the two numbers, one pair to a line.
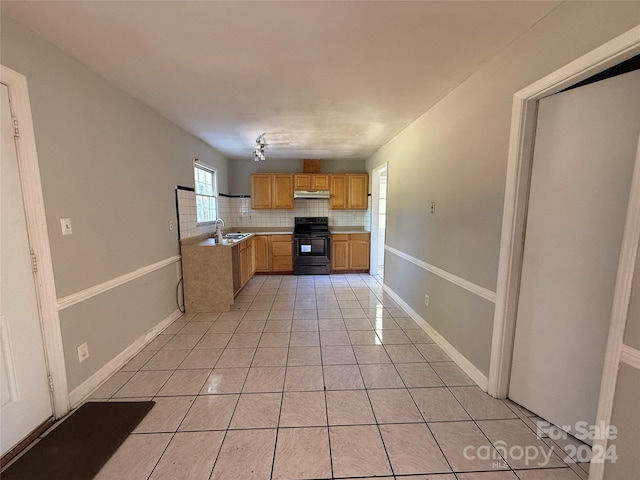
[426,300]
[170,224]
[65,223]
[433,207]
[83,352]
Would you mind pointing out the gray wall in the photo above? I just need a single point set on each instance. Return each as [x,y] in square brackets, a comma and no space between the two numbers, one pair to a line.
[456,155]
[109,163]
[240,170]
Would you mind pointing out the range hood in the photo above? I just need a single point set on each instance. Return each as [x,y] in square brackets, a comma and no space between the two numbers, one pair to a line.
[311,194]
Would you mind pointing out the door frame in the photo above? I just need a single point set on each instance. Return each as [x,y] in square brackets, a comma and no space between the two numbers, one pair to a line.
[375,216]
[38,238]
[518,178]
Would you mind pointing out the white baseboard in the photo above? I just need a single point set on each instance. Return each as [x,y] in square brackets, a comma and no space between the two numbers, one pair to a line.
[468,367]
[91,384]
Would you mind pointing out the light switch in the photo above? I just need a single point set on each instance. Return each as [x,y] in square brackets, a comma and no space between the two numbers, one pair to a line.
[65,223]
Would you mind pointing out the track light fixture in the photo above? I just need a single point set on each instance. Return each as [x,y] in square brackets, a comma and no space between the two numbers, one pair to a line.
[261,144]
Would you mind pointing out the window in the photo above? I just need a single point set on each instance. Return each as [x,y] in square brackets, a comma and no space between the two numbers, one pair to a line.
[206,183]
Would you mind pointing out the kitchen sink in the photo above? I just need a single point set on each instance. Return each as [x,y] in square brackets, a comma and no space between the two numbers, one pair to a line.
[235,236]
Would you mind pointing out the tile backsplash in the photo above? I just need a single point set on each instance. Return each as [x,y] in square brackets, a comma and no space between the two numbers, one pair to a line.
[186,200]
[237,212]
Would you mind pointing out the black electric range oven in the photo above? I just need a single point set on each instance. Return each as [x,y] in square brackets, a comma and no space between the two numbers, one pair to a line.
[311,246]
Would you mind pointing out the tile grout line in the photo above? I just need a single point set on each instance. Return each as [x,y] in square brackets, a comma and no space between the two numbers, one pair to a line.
[284,380]
[326,405]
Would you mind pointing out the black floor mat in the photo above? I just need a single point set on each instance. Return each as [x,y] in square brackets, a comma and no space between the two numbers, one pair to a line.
[79,447]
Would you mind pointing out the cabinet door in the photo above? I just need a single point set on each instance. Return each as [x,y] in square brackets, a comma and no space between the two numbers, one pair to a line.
[261,194]
[236,267]
[338,192]
[245,266]
[302,181]
[339,255]
[280,249]
[359,252]
[282,191]
[283,264]
[261,244]
[320,182]
[252,256]
[358,188]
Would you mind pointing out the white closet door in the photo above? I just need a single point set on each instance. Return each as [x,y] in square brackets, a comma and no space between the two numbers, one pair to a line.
[24,387]
[585,149]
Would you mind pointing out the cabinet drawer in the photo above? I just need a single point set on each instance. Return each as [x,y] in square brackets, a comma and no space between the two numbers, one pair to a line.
[360,237]
[281,248]
[340,237]
[281,238]
[282,263]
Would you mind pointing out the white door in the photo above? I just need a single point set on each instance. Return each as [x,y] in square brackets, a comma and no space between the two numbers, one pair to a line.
[25,399]
[585,148]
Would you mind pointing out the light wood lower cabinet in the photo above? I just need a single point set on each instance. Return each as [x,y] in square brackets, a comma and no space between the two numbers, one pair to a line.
[247,262]
[273,253]
[262,253]
[359,252]
[281,253]
[350,251]
[340,252]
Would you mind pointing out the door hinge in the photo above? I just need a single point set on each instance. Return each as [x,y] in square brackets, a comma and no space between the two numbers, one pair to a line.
[16,128]
[34,263]
[50,383]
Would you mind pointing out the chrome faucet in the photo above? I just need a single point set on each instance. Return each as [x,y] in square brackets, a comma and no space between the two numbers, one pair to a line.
[218,234]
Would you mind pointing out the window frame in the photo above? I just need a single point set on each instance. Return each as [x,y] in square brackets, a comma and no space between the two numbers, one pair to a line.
[197,165]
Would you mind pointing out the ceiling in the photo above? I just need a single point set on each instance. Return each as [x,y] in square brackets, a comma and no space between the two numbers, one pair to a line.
[322,79]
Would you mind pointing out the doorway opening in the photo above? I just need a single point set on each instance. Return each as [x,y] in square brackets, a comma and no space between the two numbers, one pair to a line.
[378,221]
[523,134]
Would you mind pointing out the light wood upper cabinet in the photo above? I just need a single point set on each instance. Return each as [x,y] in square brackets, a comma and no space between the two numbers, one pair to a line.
[282,190]
[271,191]
[338,192]
[275,190]
[319,182]
[302,181]
[310,181]
[358,189]
[349,191]
[261,196]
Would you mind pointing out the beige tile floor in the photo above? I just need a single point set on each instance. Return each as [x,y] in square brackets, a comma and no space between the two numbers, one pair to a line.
[315,377]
